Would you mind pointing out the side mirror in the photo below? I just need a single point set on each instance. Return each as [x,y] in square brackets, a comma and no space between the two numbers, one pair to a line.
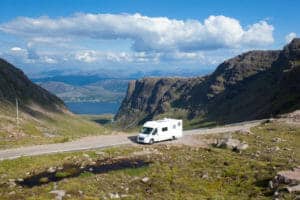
[154,132]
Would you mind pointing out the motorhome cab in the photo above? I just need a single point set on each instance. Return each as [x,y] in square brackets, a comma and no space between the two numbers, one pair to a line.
[155,131]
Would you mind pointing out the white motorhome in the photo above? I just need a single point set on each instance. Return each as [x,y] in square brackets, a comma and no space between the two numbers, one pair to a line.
[160,130]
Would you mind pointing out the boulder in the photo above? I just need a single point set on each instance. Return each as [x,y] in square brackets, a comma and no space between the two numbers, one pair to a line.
[242,146]
[114,195]
[295,188]
[145,179]
[229,143]
[289,179]
[59,194]
[51,170]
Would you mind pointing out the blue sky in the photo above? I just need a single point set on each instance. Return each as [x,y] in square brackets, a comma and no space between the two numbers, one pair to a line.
[145,35]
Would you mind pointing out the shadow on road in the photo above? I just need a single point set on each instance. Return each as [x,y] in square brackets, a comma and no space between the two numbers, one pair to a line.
[133,139]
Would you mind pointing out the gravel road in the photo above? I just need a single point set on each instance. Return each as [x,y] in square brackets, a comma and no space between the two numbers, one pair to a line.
[104,141]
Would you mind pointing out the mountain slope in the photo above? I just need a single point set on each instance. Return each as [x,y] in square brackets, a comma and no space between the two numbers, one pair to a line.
[97,92]
[43,117]
[253,85]
[15,84]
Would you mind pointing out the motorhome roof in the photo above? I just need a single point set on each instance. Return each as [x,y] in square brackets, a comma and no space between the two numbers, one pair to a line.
[159,122]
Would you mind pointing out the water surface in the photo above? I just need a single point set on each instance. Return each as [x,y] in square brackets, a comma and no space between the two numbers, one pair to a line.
[93,108]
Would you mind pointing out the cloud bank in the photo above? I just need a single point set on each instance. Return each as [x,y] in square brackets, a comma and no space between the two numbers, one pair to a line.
[128,41]
[148,34]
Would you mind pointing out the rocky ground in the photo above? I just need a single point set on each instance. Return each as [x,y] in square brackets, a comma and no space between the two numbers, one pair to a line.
[262,163]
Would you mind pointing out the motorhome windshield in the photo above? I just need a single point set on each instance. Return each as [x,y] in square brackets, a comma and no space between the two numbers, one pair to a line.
[146,130]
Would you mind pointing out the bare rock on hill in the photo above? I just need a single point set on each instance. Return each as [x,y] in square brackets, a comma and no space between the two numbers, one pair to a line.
[59,194]
[289,179]
[229,143]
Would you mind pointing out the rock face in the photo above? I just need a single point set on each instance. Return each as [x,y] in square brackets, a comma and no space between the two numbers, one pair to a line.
[149,97]
[253,85]
[15,84]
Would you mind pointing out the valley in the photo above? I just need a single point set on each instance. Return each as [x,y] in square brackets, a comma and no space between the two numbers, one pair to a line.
[149,100]
[49,152]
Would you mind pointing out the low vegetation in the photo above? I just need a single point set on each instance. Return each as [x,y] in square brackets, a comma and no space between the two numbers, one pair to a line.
[197,122]
[47,127]
[172,172]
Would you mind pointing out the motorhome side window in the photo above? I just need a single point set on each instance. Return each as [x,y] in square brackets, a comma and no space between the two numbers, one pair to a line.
[165,129]
[178,124]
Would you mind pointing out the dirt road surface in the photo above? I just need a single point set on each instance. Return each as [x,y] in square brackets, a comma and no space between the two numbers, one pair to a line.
[105,141]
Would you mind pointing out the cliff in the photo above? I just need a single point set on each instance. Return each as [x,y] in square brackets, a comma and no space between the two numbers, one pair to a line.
[253,85]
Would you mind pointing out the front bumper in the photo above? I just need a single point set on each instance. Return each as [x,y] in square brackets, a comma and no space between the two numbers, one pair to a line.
[141,140]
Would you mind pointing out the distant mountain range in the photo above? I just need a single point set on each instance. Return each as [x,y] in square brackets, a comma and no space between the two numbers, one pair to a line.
[95,87]
[253,85]
[82,77]
[110,90]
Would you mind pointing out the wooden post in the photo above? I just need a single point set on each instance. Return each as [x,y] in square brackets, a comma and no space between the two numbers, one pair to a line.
[17,108]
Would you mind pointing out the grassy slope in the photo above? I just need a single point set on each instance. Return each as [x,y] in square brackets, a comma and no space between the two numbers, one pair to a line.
[196,122]
[177,173]
[46,128]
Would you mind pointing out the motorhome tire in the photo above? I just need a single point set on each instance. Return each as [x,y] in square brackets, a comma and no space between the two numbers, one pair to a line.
[151,141]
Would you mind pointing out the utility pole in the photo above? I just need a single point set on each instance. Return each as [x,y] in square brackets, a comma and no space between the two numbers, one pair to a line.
[17,107]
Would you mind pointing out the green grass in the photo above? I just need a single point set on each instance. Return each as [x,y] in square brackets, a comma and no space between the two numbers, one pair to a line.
[297,62]
[135,171]
[178,172]
[74,126]
[105,119]
[45,127]
[197,122]
[31,129]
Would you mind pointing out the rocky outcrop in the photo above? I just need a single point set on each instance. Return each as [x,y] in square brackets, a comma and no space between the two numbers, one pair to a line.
[253,85]
[15,84]
[149,97]
[230,143]
[286,180]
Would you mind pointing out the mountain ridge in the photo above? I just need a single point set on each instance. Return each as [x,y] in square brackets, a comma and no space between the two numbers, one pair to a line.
[252,85]
[15,84]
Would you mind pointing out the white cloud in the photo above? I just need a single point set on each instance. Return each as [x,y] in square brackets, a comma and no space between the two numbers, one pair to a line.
[21,54]
[289,37]
[259,33]
[147,33]
[49,60]
[83,40]
[16,49]
[92,56]
[28,55]
[86,56]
